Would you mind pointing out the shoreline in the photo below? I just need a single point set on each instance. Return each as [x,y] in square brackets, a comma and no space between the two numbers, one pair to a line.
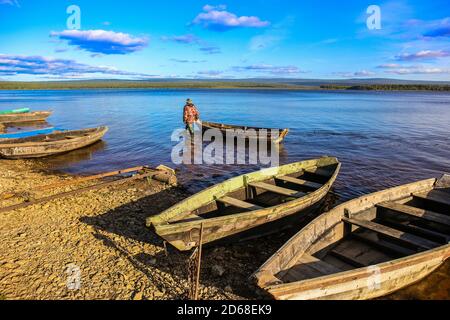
[103,233]
[218,85]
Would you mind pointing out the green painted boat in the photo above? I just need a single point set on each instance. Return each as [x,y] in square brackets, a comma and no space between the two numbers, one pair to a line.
[15,111]
[250,205]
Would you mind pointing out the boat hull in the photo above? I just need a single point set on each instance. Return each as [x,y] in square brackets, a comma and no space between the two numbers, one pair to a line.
[25,117]
[185,236]
[369,282]
[247,133]
[39,149]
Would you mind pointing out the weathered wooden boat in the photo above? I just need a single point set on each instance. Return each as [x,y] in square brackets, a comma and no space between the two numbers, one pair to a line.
[365,248]
[244,203]
[26,134]
[50,144]
[275,136]
[23,110]
[25,117]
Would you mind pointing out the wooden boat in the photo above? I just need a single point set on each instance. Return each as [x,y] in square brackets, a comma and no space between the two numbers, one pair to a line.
[248,132]
[23,110]
[25,134]
[365,248]
[25,117]
[247,202]
[50,144]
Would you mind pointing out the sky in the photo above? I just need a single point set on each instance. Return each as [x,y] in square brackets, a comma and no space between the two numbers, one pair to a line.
[232,39]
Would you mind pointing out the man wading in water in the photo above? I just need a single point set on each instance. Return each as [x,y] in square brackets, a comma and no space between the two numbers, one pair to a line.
[190,116]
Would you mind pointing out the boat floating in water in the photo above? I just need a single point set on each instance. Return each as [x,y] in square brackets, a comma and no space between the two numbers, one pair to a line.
[248,132]
[26,134]
[365,248]
[15,111]
[50,144]
[245,203]
[25,117]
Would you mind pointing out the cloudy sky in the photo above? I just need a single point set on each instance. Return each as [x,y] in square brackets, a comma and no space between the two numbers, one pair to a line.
[225,39]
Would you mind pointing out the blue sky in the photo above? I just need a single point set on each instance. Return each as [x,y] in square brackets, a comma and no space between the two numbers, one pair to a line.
[224,39]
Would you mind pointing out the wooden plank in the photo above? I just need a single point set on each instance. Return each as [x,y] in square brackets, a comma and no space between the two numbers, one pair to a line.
[320,265]
[416,212]
[394,234]
[300,182]
[435,196]
[347,258]
[419,231]
[239,203]
[298,273]
[278,190]
[382,244]
[78,191]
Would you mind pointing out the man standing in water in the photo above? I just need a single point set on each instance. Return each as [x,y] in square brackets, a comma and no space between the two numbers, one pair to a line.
[190,116]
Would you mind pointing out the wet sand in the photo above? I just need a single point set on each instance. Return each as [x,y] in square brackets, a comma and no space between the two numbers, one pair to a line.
[102,234]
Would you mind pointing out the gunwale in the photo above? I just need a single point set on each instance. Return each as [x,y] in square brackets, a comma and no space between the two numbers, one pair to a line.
[343,283]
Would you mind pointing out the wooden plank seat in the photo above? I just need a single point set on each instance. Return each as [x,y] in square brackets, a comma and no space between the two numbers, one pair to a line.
[278,190]
[437,196]
[300,182]
[393,233]
[373,240]
[419,231]
[347,259]
[416,212]
[239,203]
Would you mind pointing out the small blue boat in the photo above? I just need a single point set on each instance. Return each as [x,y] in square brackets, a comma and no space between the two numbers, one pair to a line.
[26,134]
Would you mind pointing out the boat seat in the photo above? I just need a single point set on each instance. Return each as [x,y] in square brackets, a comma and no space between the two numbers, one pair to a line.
[300,182]
[239,203]
[419,231]
[393,233]
[278,190]
[347,259]
[416,212]
[437,196]
[372,239]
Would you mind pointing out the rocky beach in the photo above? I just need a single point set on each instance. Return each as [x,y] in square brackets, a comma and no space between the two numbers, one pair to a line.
[100,238]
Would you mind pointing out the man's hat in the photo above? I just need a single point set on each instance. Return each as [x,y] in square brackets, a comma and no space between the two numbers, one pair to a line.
[188,101]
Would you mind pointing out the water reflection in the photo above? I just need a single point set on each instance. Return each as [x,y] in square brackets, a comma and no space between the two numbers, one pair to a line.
[25,126]
[74,157]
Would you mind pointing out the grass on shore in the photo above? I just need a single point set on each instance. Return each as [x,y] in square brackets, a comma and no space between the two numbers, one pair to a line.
[5,85]
[113,84]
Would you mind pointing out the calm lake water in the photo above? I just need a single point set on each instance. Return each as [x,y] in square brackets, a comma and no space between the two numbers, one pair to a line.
[382,138]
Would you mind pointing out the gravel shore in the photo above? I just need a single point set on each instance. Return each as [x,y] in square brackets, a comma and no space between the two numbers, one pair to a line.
[95,246]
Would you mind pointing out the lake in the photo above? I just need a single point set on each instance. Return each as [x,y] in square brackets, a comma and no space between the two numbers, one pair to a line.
[382,138]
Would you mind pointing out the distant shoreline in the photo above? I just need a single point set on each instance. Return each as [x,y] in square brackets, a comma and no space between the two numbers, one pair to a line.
[247,85]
